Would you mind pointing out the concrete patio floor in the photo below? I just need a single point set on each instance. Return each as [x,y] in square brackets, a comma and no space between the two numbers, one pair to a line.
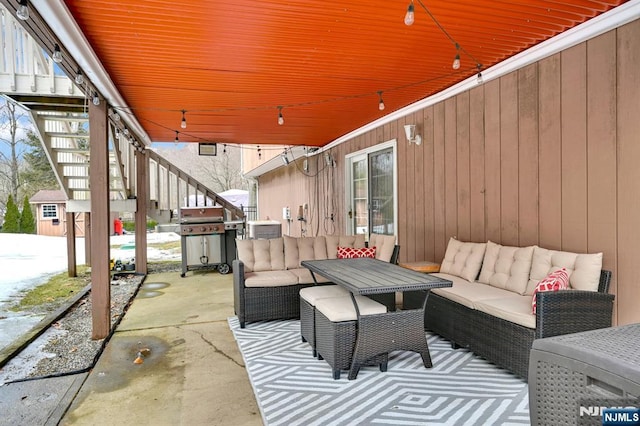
[193,373]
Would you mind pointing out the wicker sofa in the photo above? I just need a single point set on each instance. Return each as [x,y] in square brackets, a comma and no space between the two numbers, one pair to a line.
[267,276]
[489,307]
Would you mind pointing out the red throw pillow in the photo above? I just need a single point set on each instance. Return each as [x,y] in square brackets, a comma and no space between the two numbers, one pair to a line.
[352,253]
[558,280]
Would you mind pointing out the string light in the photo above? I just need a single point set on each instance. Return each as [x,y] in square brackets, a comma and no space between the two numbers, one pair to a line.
[409,17]
[259,153]
[224,148]
[280,116]
[79,77]
[117,134]
[95,99]
[177,140]
[456,61]
[381,101]
[23,10]
[479,76]
[57,54]
[183,123]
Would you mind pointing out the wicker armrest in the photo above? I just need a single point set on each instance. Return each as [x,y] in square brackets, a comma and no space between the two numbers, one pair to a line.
[572,311]
[238,287]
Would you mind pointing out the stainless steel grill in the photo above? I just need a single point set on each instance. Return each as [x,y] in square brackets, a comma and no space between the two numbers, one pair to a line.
[207,241]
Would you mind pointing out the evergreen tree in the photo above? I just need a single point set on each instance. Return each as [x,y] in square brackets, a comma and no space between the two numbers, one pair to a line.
[38,173]
[27,221]
[11,217]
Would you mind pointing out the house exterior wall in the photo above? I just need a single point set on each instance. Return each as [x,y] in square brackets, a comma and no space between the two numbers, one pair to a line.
[546,155]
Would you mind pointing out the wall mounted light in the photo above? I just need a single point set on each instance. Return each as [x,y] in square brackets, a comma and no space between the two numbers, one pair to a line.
[410,131]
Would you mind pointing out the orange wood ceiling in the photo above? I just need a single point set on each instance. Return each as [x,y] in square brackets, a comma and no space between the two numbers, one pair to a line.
[230,64]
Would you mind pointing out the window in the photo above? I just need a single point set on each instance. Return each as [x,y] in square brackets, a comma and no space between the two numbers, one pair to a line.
[371,190]
[49,211]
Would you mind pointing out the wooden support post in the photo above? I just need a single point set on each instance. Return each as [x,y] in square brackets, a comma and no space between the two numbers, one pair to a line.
[87,239]
[100,220]
[142,195]
[71,244]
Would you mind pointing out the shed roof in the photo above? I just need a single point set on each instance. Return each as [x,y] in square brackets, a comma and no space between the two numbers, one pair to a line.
[48,196]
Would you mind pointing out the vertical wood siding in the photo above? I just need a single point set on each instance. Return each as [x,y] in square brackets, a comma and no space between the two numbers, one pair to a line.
[546,155]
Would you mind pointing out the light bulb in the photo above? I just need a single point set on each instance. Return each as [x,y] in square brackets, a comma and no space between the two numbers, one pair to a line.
[456,62]
[57,54]
[23,10]
[118,134]
[116,116]
[176,140]
[96,99]
[479,78]
[183,123]
[380,102]
[409,18]
[79,78]
[280,116]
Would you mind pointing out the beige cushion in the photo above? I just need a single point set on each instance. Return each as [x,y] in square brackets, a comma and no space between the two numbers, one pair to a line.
[269,279]
[467,293]
[583,269]
[261,255]
[338,309]
[317,292]
[514,308]
[298,249]
[384,244]
[304,276]
[333,241]
[463,259]
[506,267]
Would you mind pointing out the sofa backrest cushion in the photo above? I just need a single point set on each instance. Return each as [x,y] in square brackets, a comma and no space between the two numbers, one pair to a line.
[584,269]
[463,259]
[384,244]
[261,255]
[306,248]
[507,267]
[335,241]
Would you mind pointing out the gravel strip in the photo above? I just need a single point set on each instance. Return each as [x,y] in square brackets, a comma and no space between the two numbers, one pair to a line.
[67,346]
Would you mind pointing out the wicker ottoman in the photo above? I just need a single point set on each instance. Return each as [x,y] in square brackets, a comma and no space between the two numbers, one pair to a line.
[335,331]
[308,298]
[571,376]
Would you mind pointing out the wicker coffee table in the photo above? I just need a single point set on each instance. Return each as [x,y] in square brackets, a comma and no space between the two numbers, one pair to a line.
[381,333]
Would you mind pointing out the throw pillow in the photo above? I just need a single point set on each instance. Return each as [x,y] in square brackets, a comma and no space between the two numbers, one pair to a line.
[558,280]
[352,253]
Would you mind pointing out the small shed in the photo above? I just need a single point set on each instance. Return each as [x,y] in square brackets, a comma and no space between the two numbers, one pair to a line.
[51,214]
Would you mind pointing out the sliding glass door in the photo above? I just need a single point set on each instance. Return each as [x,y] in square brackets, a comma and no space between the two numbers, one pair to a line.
[371,190]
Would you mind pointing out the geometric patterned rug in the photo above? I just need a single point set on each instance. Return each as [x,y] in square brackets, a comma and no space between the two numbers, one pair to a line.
[294,388]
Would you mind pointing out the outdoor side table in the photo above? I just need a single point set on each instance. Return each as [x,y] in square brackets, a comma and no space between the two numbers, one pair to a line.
[423,266]
[381,333]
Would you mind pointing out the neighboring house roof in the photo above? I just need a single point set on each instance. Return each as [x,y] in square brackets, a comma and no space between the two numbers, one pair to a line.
[48,196]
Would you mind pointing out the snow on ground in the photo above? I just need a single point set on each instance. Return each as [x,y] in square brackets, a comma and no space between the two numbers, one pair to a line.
[27,261]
